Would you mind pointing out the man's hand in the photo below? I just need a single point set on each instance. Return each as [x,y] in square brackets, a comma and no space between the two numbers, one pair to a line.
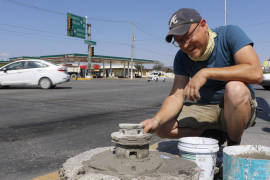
[150,125]
[191,90]
[171,106]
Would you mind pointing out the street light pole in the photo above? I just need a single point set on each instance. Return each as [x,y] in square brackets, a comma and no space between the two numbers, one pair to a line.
[89,48]
[132,50]
[225,12]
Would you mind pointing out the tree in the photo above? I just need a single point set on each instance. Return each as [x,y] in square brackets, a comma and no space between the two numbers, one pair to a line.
[161,67]
[138,67]
[158,67]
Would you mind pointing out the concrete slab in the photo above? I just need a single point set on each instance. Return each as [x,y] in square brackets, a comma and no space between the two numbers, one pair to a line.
[92,165]
[164,146]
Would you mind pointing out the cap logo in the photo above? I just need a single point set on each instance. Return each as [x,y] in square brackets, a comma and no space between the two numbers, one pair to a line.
[173,20]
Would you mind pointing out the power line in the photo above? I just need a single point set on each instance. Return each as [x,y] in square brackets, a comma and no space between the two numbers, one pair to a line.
[108,20]
[28,34]
[28,28]
[111,42]
[256,24]
[147,33]
[104,20]
[91,18]
[36,7]
[136,47]
[151,51]
[61,13]
[151,39]
[56,37]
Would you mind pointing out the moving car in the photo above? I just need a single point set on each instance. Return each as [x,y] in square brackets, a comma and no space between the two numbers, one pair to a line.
[33,72]
[266,81]
[156,76]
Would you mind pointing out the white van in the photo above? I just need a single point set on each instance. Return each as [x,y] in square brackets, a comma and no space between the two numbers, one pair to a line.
[156,76]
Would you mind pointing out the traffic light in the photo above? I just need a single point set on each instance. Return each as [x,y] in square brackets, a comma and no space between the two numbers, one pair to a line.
[69,24]
[92,51]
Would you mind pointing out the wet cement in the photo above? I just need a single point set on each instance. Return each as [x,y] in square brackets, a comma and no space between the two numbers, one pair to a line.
[254,155]
[102,163]
[155,164]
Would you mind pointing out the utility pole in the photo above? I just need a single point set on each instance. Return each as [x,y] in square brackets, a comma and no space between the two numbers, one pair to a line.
[225,12]
[89,48]
[132,50]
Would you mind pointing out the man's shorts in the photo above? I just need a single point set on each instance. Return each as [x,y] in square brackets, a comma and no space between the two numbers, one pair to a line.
[209,116]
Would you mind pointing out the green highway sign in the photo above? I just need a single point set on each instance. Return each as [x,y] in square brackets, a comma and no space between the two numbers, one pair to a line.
[90,42]
[76,26]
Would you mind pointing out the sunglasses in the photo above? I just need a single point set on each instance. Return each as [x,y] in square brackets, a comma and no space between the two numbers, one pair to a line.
[185,38]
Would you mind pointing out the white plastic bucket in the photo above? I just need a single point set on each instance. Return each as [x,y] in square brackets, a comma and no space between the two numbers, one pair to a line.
[203,151]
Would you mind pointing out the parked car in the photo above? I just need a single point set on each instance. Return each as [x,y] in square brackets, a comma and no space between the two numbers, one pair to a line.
[33,72]
[266,81]
[156,76]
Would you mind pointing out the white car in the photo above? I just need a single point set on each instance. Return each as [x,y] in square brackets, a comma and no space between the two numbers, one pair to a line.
[266,81]
[156,76]
[33,72]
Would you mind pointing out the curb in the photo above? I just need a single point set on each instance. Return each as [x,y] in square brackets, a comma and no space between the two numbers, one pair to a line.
[83,78]
[50,176]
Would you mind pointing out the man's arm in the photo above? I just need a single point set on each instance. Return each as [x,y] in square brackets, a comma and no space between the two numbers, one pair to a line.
[170,107]
[247,70]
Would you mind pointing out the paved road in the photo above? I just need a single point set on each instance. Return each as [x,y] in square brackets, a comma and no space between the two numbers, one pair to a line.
[40,129]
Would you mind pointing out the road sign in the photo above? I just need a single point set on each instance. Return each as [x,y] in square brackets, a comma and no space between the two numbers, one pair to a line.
[76,26]
[90,42]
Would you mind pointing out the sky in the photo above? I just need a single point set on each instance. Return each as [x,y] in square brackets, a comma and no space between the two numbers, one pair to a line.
[39,27]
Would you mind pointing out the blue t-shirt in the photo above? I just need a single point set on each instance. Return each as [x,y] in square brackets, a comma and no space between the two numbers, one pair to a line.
[228,41]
